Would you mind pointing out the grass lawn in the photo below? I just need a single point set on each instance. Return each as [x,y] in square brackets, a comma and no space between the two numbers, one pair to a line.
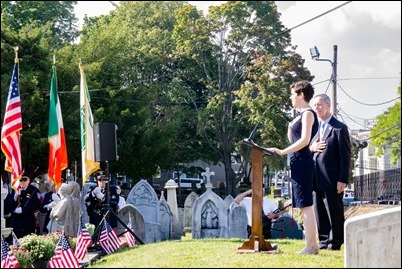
[217,253]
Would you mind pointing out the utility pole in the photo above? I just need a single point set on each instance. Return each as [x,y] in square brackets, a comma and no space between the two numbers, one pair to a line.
[315,55]
[334,82]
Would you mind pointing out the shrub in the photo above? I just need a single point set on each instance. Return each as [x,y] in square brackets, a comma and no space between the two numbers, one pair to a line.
[41,247]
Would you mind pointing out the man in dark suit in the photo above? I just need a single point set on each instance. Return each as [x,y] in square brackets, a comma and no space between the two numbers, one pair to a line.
[332,155]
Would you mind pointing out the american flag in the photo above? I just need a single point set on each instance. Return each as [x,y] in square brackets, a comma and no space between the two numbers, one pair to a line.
[15,240]
[84,241]
[108,239]
[64,256]
[8,260]
[10,132]
[129,237]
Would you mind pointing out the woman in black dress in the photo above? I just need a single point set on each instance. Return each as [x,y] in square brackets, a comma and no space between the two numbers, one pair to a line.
[300,132]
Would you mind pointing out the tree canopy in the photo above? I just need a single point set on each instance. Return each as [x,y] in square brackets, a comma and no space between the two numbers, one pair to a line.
[181,86]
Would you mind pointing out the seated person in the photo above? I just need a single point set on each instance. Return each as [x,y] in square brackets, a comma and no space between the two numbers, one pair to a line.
[244,200]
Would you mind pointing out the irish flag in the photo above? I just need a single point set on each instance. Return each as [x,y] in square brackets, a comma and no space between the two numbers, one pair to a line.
[57,140]
[89,165]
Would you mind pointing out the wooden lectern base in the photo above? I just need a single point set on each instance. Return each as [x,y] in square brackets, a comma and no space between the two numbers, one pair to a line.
[256,244]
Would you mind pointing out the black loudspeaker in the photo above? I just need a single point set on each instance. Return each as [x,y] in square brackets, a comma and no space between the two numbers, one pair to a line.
[105,142]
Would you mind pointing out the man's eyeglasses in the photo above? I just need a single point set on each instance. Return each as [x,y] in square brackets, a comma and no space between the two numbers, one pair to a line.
[23,179]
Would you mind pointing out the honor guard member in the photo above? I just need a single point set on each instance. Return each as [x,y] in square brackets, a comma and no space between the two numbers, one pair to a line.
[27,201]
[95,200]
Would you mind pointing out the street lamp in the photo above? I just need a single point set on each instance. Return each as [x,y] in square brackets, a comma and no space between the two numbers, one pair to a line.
[315,55]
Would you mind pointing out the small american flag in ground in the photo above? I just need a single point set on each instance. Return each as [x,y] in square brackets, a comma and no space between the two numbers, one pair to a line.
[84,241]
[108,239]
[64,256]
[129,237]
[8,260]
[15,240]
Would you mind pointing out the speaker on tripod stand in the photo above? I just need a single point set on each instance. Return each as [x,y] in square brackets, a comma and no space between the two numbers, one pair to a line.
[105,151]
[105,142]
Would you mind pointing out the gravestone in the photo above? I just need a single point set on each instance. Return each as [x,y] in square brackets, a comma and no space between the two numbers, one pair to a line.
[188,206]
[228,201]
[207,174]
[237,223]
[165,219]
[129,213]
[177,226]
[210,217]
[143,197]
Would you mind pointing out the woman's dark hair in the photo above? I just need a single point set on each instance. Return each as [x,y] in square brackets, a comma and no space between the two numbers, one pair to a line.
[304,87]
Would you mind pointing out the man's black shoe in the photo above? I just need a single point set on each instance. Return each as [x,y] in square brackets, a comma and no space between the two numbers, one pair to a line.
[322,246]
[332,247]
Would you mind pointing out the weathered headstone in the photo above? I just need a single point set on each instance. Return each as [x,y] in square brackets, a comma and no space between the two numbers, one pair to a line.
[207,174]
[238,223]
[188,206]
[177,226]
[165,219]
[210,217]
[145,199]
[129,213]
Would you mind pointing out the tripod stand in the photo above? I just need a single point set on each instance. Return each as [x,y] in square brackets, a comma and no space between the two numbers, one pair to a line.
[107,210]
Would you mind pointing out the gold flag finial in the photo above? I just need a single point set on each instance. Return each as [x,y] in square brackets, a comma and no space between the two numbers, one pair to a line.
[16,54]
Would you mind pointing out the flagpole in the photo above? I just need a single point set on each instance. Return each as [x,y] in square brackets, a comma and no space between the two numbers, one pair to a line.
[89,164]
[11,128]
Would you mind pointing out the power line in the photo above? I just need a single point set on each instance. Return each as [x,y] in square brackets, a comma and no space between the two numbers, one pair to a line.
[366,104]
[316,17]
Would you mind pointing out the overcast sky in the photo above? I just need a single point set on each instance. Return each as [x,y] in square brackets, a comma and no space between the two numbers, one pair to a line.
[368,37]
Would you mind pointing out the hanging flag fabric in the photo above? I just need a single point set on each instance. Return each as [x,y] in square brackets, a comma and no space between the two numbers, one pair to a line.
[64,256]
[89,165]
[108,239]
[8,259]
[10,132]
[57,141]
[84,241]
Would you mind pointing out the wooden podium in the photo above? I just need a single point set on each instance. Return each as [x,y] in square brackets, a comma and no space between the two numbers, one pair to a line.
[256,242]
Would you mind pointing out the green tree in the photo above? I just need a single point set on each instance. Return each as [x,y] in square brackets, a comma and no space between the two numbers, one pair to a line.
[386,134]
[37,29]
[225,49]
[130,60]
[57,16]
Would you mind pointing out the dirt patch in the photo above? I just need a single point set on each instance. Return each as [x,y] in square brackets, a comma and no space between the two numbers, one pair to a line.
[357,210]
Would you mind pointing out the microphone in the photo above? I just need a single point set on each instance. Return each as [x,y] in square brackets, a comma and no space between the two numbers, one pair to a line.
[258,123]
